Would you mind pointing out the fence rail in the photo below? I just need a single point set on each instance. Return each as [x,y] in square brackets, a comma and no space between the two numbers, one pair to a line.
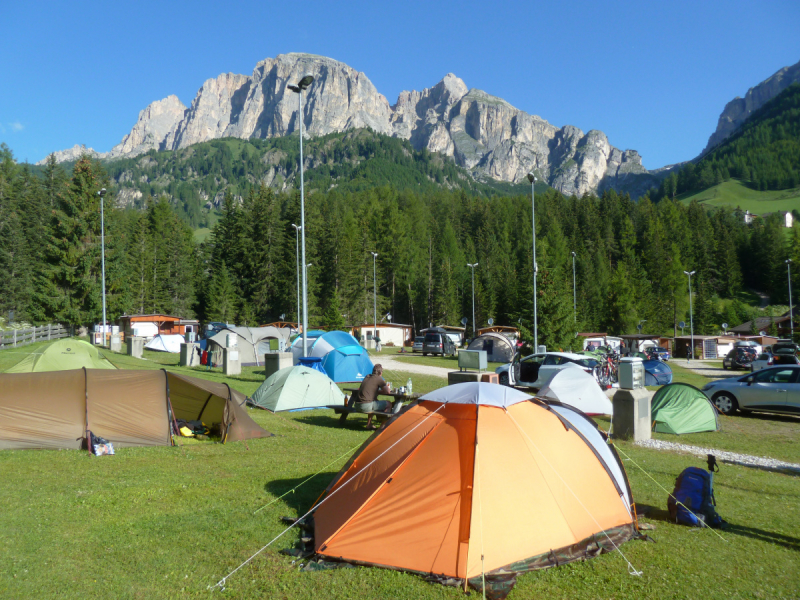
[22,337]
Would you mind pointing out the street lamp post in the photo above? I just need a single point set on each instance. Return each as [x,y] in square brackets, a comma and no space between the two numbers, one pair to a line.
[691,316]
[574,291]
[532,179]
[297,259]
[374,296]
[102,193]
[472,266]
[791,312]
[303,84]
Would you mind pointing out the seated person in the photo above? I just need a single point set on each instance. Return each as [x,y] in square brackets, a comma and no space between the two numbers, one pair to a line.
[366,399]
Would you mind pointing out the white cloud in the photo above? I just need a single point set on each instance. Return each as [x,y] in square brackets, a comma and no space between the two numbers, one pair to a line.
[16,126]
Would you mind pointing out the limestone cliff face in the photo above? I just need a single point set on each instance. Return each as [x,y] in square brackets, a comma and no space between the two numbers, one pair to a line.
[738,110]
[154,123]
[481,132]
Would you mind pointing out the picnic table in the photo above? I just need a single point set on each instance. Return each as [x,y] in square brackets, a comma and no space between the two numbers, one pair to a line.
[398,398]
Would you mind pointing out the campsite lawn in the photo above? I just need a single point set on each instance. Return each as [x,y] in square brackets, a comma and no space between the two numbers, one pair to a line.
[166,522]
[447,362]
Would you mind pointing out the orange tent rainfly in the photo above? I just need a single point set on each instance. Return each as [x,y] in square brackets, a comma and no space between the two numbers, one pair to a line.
[129,408]
[473,485]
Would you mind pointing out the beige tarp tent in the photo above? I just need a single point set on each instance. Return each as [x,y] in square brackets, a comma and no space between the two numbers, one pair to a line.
[128,408]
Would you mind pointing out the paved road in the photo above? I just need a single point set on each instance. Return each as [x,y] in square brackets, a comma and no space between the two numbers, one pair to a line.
[709,370]
[390,364]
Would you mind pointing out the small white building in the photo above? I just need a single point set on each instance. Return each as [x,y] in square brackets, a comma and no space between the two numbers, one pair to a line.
[390,334]
[788,219]
[748,217]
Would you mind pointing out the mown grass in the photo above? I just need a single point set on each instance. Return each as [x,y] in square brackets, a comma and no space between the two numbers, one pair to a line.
[734,193]
[167,522]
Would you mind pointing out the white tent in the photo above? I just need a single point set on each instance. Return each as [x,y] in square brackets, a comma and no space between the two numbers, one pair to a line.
[166,343]
[570,384]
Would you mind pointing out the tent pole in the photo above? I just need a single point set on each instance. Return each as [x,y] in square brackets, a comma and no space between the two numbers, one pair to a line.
[170,412]
[86,404]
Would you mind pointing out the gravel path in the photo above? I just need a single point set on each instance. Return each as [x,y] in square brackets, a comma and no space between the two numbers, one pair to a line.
[734,458]
[713,371]
[390,364]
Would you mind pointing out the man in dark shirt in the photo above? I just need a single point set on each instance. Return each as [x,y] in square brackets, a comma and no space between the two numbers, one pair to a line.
[367,394]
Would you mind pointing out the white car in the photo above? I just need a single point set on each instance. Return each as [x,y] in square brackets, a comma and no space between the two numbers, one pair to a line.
[532,371]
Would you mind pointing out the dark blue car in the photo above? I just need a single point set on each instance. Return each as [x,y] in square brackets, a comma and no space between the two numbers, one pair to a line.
[658,353]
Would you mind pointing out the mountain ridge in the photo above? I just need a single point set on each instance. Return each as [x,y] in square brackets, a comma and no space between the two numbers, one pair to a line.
[483,133]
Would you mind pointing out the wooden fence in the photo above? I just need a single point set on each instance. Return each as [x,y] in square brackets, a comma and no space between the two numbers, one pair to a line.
[23,337]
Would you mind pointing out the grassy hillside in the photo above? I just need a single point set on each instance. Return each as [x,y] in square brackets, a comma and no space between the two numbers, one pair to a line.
[735,193]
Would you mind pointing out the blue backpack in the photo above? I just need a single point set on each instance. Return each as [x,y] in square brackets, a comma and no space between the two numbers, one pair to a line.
[694,491]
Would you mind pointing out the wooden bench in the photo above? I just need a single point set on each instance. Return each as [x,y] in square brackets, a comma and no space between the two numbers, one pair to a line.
[344,411]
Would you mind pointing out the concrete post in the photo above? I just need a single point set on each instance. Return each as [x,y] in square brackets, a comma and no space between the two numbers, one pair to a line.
[275,361]
[189,355]
[631,419]
[116,344]
[135,346]
[231,363]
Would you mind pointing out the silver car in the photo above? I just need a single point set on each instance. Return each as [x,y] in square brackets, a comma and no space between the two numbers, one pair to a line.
[776,390]
[418,342]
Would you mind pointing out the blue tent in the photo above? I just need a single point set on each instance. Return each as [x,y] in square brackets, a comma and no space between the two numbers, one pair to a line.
[657,373]
[312,362]
[342,357]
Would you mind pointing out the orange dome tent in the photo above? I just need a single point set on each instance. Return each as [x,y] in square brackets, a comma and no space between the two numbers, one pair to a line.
[477,483]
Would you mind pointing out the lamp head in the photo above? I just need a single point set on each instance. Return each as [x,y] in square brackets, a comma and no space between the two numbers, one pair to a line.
[788,260]
[306,81]
[294,88]
[531,177]
[573,254]
[102,192]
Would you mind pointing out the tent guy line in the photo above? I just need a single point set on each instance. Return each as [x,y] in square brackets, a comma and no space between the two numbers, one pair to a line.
[291,491]
[669,493]
[221,583]
[631,569]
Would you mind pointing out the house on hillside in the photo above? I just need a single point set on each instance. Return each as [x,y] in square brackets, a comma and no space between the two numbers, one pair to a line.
[748,217]
[788,220]
[782,326]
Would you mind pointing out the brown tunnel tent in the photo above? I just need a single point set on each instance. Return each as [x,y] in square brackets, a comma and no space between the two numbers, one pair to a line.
[129,408]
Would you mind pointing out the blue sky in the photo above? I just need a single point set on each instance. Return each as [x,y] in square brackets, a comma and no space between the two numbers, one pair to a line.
[653,76]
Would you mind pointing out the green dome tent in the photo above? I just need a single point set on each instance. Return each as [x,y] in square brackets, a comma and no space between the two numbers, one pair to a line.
[682,408]
[63,355]
[296,387]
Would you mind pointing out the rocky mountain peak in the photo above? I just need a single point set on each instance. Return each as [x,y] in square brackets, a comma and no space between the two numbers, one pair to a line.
[481,132]
[739,109]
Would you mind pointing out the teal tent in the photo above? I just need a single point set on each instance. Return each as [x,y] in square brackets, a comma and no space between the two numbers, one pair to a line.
[296,388]
[682,408]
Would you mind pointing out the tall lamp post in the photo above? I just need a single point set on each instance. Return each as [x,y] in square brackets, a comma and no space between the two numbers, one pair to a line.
[691,316]
[298,89]
[102,193]
[297,259]
[472,266]
[532,179]
[574,291]
[374,296]
[791,312]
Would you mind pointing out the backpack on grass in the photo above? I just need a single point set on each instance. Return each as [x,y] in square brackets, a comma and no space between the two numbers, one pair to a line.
[694,491]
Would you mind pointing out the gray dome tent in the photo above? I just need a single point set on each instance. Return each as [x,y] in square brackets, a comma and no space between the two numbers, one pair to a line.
[252,342]
[497,346]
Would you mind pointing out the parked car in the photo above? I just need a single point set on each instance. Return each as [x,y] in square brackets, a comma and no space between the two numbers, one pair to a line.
[533,370]
[438,343]
[657,353]
[749,344]
[739,358]
[781,353]
[776,389]
[418,342]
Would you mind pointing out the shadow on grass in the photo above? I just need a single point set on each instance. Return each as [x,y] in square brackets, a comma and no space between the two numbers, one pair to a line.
[792,543]
[302,499]
[653,512]
[760,416]
[352,423]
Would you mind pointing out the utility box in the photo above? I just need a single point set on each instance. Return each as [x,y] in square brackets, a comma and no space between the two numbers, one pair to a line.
[631,418]
[472,359]
[369,343]
[189,337]
[631,373]
[230,340]
[135,346]
[190,357]
[231,363]
[275,361]
[116,344]
[542,349]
